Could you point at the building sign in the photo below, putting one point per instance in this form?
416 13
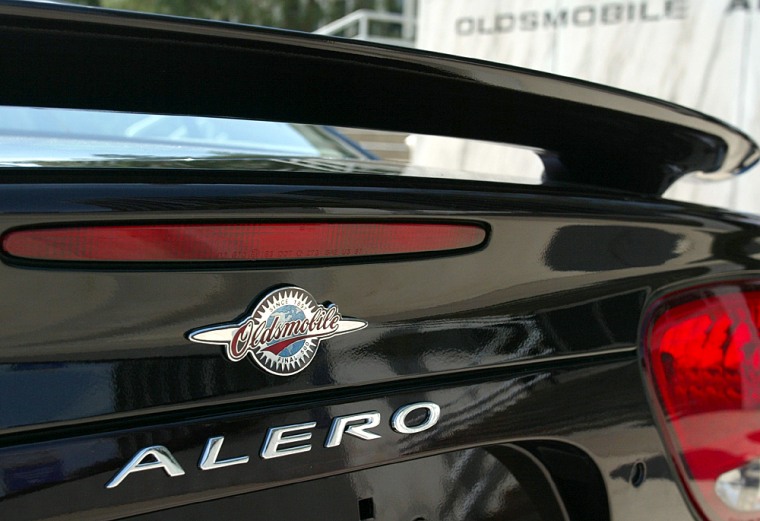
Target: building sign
704 54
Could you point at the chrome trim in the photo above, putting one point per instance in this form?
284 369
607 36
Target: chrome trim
164 460
341 425
245 337
398 420
210 454
276 437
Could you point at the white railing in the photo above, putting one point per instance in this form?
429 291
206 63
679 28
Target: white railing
364 24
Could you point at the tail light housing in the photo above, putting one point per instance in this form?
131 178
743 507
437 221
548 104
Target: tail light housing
702 358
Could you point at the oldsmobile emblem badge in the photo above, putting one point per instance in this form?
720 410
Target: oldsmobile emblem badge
281 333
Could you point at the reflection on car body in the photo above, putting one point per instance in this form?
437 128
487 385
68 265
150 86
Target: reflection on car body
567 363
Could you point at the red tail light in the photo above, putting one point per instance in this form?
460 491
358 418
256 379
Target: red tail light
237 242
702 352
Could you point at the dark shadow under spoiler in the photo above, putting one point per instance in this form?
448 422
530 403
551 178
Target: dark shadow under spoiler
587 134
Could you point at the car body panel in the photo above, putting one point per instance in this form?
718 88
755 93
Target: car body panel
511 406
531 339
105 325
529 344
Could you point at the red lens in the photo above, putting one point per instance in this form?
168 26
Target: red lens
703 356
237 242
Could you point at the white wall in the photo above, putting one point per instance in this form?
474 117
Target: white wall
704 54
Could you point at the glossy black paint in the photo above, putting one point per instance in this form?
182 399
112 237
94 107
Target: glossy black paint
544 403
553 261
495 483
529 340
589 134
529 344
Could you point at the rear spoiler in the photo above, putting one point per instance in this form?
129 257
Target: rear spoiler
586 134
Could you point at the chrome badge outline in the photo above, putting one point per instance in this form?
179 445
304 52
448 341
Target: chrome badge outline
266 335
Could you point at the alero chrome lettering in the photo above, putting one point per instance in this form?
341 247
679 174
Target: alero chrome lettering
282 332
285 440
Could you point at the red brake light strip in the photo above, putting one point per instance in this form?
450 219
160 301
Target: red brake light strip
237 242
